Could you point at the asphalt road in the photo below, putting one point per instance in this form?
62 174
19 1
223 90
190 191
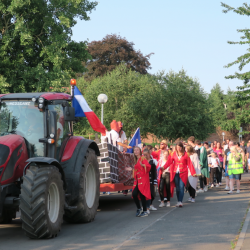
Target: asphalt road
212 222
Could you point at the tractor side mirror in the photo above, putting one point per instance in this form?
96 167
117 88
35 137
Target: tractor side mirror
69 114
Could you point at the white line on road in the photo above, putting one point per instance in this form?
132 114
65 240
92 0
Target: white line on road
243 232
142 230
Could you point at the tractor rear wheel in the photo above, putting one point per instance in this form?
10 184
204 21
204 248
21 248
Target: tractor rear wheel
42 202
89 192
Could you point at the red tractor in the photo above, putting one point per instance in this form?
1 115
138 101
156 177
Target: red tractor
45 171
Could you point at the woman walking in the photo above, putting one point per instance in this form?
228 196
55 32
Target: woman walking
180 163
141 187
164 180
220 153
214 165
192 181
152 180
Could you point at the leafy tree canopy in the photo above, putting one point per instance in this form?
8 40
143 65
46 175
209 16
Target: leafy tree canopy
111 51
240 116
168 105
175 106
217 105
36 51
245 39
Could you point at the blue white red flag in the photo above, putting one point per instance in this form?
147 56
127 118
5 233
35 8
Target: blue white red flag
135 141
82 109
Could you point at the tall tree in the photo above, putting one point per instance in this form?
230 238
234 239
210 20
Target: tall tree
36 51
175 106
111 51
217 105
242 99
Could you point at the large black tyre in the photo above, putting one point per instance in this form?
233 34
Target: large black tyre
42 202
89 192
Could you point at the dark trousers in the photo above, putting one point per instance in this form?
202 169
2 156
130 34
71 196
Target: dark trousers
220 172
152 190
203 180
214 174
135 194
191 190
165 183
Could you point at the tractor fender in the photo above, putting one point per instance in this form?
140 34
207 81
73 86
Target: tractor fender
44 161
73 159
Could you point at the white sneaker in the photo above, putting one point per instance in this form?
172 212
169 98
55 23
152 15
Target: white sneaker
152 208
177 204
212 185
180 204
200 191
193 200
230 192
162 205
168 204
148 211
217 185
205 188
220 184
226 188
190 198
238 191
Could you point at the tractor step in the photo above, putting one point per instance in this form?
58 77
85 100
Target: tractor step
12 201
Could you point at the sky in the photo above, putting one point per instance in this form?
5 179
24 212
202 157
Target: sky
184 34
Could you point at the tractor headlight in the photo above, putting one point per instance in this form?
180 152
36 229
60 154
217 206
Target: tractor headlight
41 100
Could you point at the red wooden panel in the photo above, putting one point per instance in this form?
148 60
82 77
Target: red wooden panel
113 187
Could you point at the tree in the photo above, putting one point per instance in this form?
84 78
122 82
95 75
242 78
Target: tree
244 59
174 106
120 85
242 99
36 51
217 105
111 51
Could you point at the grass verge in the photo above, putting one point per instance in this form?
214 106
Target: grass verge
234 242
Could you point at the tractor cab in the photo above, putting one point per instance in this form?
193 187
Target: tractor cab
39 118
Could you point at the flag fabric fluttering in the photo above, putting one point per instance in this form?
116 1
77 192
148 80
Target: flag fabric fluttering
135 141
82 109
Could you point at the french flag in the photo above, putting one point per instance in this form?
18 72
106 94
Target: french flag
82 109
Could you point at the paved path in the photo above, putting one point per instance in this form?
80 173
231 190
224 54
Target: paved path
210 223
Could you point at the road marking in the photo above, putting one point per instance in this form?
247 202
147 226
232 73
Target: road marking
243 232
142 230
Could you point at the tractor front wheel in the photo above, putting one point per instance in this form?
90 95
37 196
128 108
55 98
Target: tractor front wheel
42 202
89 192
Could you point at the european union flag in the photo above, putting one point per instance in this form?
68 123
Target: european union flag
135 141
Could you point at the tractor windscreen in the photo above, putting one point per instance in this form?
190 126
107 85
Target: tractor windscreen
23 118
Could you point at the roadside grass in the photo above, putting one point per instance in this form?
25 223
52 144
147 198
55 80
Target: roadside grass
234 242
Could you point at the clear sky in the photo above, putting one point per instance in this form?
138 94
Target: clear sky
184 34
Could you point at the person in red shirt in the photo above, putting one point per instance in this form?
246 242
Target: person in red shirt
141 187
179 164
163 146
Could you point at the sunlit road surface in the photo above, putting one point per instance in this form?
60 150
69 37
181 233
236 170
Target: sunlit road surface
213 221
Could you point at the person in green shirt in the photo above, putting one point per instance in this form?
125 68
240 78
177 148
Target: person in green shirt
203 165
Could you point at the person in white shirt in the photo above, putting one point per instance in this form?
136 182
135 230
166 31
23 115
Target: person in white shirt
122 137
214 164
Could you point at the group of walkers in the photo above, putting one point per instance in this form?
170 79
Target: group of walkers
181 166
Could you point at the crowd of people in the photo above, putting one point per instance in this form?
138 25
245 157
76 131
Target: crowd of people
182 166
